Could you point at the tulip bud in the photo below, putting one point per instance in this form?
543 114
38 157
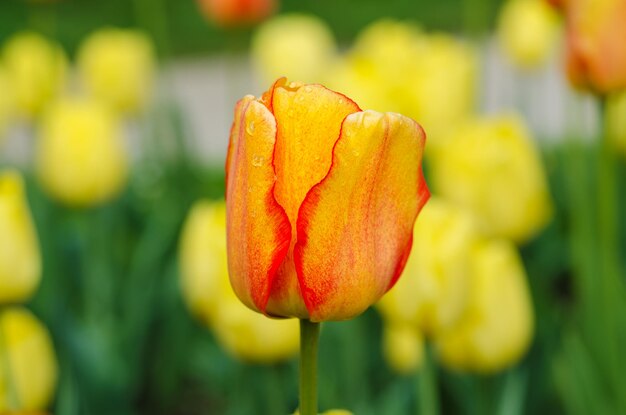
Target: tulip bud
81 159
596 53
492 168
403 347
394 66
36 70
204 280
293 45
237 12
527 31
20 260
497 327
117 67
26 347
432 293
321 199
616 121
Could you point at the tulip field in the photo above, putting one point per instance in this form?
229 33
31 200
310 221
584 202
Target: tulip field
276 207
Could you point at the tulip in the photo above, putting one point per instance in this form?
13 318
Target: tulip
432 295
596 53
321 199
117 67
492 168
403 347
616 121
81 160
36 70
394 66
528 31
237 12
20 259
497 327
293 45
243 333
26 347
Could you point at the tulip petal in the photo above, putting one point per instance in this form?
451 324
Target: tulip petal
258 230
355 227
309 121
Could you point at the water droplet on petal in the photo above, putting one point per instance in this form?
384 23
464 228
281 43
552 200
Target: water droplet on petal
308 89
250 128
257 160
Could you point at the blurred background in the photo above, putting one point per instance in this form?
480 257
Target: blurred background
114 124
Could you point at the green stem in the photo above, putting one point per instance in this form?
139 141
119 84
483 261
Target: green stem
13 399
428 399
609 281
309 339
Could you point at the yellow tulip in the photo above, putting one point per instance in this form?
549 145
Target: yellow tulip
528 31
28 366
403 347
81 156
293 45
206 290
431 294
443 88
117 66
616 120
20 260
492 168
36 70
394 66
497 327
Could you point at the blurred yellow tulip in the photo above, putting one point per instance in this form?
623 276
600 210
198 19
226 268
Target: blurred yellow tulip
20 260
491 167
81 157
394 66
443 88
431 294
497 327
247 335
36 70
28 366
403 347
528 31
117 66
616 120
202 268
300 47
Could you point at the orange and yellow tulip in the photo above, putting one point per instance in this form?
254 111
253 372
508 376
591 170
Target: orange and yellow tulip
321 200
596 56
236 12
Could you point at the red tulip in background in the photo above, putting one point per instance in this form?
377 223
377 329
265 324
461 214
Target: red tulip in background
321 201
237 12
